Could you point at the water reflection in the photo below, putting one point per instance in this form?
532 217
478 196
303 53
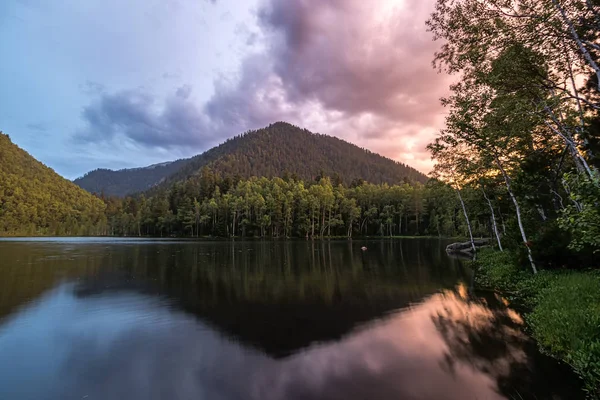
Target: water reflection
260 321
130 345
279 296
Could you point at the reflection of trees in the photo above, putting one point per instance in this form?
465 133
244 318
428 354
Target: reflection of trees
278 296
29 269
286 271
300 291
484 333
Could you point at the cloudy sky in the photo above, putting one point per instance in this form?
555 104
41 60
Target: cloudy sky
114 84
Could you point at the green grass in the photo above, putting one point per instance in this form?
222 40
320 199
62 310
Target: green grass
562 310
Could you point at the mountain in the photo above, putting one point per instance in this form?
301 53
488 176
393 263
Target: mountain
276 150
127 181
35 200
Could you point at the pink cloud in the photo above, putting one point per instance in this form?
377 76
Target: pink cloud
360 70
363 67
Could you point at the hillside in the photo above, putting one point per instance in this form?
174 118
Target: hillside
273 151
126 181
35 200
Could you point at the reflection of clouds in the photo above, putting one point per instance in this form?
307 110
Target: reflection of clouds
469 328
124 345
121 346
399 357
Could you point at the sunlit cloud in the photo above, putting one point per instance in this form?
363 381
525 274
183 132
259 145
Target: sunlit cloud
353 69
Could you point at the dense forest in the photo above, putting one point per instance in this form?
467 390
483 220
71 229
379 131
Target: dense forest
35 200
209 204
274 151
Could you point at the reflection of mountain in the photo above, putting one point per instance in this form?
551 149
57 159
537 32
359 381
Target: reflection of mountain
279 296
119 344
284 296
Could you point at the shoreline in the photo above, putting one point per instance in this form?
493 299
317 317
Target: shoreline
223 238
561 310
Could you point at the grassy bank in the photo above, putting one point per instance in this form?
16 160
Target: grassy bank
561 308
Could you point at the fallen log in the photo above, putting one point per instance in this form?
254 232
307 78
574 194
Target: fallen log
465 247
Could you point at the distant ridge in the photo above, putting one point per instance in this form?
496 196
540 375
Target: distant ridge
279 149
128 181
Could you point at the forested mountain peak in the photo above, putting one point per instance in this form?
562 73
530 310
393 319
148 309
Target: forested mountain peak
276 150
36 200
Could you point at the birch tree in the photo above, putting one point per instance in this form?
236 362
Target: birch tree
563 34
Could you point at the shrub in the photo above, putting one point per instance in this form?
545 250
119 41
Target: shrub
582 218
496 270
550 247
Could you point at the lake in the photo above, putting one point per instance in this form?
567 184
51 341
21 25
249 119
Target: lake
96 318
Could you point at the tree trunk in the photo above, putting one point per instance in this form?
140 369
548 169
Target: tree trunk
542 213
586 54
580 161
417 216
233 223
323 222
518 210
400 225
462 203
578 100
493 220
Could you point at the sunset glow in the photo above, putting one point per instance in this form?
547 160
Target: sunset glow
353 69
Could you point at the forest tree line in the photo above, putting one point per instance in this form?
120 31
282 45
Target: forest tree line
209 205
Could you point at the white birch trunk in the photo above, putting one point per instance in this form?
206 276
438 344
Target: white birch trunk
518 210
577 156
586 54
542 213
493 220
462 203
577 99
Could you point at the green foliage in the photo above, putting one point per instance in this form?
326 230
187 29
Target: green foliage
278 150
582 217
34 200
497 269
208 204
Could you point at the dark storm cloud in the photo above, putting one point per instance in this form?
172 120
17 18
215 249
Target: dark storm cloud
136 115
360 70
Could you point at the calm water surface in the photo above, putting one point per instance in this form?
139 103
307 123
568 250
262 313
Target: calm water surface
152 319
